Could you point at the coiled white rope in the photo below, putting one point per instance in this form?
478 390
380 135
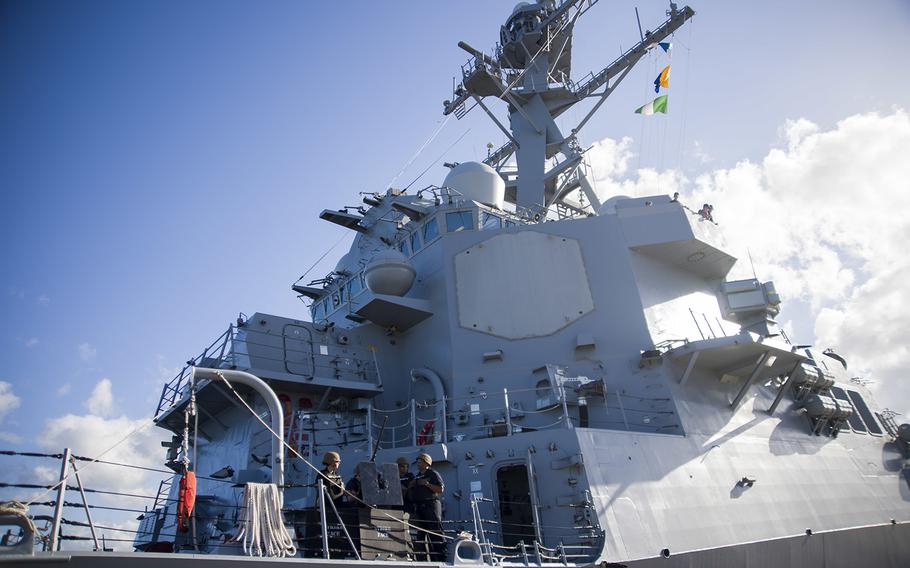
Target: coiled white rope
262 530
17 509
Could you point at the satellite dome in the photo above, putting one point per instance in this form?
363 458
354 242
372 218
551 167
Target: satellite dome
478 182
347 264
521 6
390 273
609 206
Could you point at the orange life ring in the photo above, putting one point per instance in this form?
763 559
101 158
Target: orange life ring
425 436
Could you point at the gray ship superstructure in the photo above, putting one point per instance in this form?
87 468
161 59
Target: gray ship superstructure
590 383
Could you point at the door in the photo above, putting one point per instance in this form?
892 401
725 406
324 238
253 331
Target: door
298 350
515 507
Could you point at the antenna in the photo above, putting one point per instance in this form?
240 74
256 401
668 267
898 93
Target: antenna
640 33
752 264
521 71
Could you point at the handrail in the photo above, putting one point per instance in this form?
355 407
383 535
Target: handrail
488 414
223 353
172 389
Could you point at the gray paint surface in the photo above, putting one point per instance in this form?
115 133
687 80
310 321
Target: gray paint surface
641 413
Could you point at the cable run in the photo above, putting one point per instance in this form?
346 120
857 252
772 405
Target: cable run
144 468
131 433
325 254
434 162
419 151
29 454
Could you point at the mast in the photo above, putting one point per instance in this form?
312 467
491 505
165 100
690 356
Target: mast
531 71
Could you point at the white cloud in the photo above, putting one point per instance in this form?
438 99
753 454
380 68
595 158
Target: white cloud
8 403
120 439
43 300
824 216
31 342
699 153
8 400
101 401
86 352
91 436
10 437
64 389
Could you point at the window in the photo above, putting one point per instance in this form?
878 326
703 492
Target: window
318 311
415 241
354 286
341 294
856 423
430 230
403 247
335 300
860 405
459 221
509 223
491 222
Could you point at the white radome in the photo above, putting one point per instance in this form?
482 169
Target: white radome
478 182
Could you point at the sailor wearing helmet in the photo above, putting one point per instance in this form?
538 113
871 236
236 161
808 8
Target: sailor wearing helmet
330 477
426 493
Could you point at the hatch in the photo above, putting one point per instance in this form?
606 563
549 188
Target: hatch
515 507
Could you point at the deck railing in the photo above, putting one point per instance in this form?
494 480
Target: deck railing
253 350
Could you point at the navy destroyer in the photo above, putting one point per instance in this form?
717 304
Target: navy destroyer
587 382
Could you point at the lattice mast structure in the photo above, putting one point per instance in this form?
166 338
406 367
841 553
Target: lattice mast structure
530 70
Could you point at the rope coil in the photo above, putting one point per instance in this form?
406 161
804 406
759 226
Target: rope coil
262 530
17 509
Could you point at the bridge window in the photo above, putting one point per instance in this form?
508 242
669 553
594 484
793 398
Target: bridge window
491 222
856 423
403 248
354 286
459 221
863 409
415 241
430 230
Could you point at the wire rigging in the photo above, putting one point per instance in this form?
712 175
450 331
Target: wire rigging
420 150
134 431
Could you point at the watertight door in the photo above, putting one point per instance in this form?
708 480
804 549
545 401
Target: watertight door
298 350
515 508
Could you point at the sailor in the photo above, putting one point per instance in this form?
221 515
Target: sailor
706 212
354 490
406 477
426 493
330 477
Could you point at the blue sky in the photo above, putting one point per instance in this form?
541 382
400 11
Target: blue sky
163 164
